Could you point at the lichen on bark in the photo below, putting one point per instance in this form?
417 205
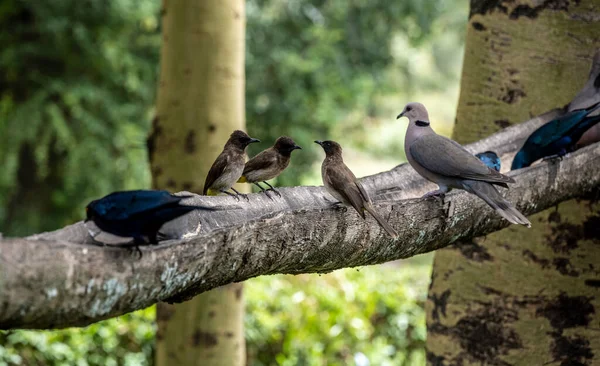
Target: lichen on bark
521 297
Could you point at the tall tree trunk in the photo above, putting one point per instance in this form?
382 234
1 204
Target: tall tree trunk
200 102
521 296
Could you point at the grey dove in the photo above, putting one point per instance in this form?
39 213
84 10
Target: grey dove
588 96
449 165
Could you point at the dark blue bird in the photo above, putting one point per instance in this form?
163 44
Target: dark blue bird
490 159
557 137
137 214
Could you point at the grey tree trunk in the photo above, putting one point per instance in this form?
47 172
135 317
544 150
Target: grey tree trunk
519 296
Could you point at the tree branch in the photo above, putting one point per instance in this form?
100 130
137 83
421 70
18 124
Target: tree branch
60 279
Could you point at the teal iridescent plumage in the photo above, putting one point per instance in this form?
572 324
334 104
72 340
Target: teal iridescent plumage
138 214
557 137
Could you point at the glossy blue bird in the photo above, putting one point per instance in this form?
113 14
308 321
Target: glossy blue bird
557 137
491 159
138 214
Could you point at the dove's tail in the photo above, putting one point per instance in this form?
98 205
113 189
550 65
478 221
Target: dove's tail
492 197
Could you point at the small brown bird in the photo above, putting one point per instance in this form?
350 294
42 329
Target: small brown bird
269 163
341 183
228 167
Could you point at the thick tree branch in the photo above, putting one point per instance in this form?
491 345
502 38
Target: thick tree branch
60 279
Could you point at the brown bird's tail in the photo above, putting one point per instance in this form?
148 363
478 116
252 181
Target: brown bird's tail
384 224
492 197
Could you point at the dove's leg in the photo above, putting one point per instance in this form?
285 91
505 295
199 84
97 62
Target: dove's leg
440 192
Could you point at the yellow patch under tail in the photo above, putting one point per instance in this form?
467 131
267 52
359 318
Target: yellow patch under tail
242 179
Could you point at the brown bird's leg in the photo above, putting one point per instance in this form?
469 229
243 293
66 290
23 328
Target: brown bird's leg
240 194
272 189
230 194
266 191
333 203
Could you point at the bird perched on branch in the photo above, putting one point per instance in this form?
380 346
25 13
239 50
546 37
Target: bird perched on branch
449 165
491 159
576 128
229 165
269 163
341 183
557 137
138 214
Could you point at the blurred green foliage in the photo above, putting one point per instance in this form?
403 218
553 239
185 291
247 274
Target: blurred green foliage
79 78
351 315
76 91
127 340
343 318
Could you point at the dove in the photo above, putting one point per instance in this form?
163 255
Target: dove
449 165
269 163
342 184
229 166
589 95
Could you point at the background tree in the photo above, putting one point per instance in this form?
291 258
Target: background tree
200 102
344 67
521 296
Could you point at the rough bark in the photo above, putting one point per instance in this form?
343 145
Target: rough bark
59 279
200 102
518 296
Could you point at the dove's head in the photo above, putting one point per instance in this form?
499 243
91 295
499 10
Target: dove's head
416 113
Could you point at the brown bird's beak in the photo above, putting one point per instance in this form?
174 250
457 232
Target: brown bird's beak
253 140
319 142
400 115
296 147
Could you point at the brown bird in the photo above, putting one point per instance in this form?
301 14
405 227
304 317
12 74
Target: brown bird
342 184
269 163
228 167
